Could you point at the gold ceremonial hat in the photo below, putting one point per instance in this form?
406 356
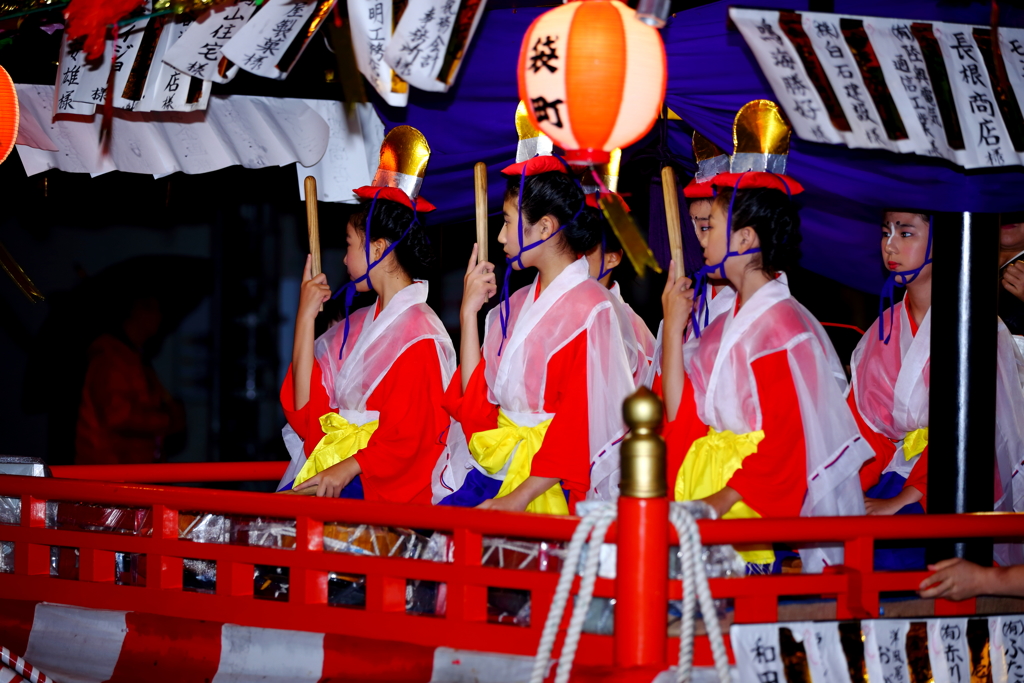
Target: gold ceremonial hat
403 160
760 135
532 142
711 160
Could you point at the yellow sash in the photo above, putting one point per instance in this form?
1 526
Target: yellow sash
707 469
341 441
492 449
915 442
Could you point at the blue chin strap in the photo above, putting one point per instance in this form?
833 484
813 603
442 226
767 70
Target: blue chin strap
504 307
718 269
900 278
604 250
350 287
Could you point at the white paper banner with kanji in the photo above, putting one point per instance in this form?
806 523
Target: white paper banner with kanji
270 43
199 52
905 86
417 51
371 22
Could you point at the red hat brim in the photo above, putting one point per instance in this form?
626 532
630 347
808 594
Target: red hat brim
594 203
545 163
695 190
395 195
755 179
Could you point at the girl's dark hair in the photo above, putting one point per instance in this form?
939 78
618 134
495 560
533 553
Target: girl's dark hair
611 242
556 194
390 219
774 217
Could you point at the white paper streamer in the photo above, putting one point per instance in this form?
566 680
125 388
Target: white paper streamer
199 52
756 648
781 65
371 22
906 74
417 50
866 129
69 95
261 44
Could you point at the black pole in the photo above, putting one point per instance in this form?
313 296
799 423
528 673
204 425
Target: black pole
962 395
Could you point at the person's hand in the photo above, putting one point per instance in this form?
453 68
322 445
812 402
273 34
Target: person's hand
879 506
1013 279
509 503
314 292
955 579
676 302
331 482
478 286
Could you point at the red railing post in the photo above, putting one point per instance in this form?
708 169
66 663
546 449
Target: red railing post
641 589
308 586
164 571
31 558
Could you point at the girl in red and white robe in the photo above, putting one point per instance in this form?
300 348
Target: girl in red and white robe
889 395
756 421
540 404
363 402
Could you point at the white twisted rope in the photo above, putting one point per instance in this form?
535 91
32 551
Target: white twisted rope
695 586
594 525
604 515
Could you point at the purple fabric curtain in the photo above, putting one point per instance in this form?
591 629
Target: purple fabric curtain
711 75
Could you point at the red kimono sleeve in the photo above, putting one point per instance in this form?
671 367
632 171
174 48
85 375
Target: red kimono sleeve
565 453
397 462
472 409
773 481
306 420
680 433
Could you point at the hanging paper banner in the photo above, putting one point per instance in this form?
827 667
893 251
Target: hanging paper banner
1007 651
885 650
131 62
844 75
356 133
94 77
371 22
430 41
902 62
168 89
985 136
272 41
66 97
909 87
199 52
784 68
756 647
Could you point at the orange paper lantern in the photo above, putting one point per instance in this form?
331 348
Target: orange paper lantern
9 118
593 77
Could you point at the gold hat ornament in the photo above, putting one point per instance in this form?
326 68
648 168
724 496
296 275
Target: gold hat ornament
760 136
711 160
403 160
609 173
531 141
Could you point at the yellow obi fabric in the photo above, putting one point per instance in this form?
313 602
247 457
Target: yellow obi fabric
493 448
915 442
341 441
707 469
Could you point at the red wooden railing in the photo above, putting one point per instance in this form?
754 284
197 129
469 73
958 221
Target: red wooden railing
855 586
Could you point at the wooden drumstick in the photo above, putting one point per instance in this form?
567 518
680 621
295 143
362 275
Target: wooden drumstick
675 233
480 184
314 228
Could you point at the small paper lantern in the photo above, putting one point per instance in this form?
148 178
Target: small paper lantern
9 114
593 77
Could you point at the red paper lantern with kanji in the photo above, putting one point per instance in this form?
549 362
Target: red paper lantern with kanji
593 77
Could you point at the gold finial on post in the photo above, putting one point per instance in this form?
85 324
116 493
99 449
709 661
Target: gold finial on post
643 450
